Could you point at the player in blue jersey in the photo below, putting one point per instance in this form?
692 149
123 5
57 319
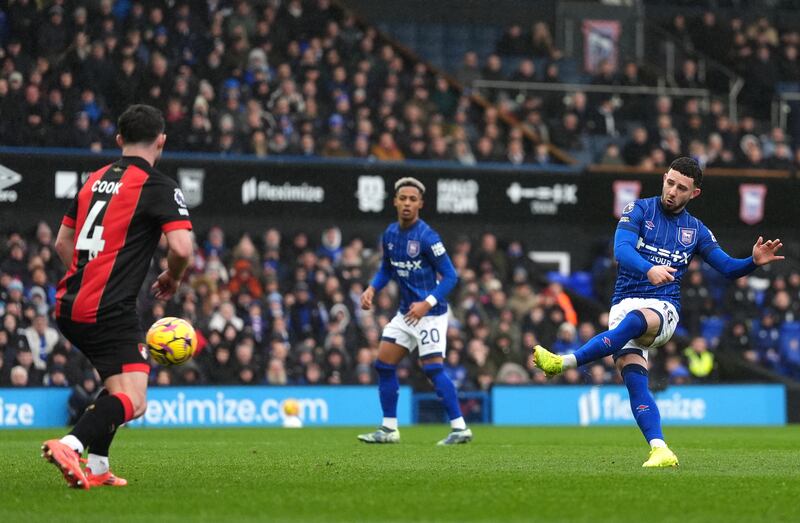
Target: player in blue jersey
654 243
413 254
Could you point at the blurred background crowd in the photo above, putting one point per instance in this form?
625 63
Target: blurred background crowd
310 78
284 309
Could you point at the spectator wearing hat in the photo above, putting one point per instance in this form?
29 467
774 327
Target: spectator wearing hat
56 377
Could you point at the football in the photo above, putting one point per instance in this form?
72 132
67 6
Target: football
291 407
171 341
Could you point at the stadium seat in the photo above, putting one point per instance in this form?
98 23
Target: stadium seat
711 329
557 277
581 282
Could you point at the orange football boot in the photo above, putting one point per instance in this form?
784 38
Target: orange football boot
107 479
66 460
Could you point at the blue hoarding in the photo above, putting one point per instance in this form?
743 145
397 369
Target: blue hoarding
35 407
679 405
215 406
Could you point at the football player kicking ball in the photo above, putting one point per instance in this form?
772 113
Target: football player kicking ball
119 215
654 243
412 254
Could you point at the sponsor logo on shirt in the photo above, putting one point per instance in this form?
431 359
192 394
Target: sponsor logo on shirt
663 256
405 267
437 249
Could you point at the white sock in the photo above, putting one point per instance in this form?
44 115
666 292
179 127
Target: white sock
72 442
98 464
569 362
657 443
390 423
458 423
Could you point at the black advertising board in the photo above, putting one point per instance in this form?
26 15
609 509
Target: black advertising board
563 207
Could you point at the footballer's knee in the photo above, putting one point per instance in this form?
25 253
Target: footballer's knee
653 321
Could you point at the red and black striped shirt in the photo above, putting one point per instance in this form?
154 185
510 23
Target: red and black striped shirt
118 217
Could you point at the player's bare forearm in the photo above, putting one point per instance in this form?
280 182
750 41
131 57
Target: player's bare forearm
65 244
180 252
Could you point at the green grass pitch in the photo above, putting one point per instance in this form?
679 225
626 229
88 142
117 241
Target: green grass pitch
506 474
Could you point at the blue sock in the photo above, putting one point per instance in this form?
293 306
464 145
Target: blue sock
643 405
606 343
444 389
388 388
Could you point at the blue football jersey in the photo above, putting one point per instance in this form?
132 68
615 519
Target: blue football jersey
664 239
412 257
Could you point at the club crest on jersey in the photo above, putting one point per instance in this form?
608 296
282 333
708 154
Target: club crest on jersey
143 350
686 236
412 249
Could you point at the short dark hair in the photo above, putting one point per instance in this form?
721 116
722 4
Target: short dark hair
140 123
688 167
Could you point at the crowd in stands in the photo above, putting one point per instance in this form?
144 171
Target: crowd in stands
274 309
647 130
306 78
265 78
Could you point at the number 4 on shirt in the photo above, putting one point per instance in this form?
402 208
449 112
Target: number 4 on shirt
94 243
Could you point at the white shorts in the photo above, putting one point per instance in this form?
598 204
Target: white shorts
429 335
669 321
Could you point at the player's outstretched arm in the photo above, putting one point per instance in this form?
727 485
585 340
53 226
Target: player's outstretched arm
178 258
764 252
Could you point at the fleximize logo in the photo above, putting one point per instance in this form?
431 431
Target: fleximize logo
8 178
603 407
255 190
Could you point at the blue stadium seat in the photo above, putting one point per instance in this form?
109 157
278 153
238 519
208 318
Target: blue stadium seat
557 277
711 329
406 33
458 33
487 34
430 33
787 87
581 282
570 71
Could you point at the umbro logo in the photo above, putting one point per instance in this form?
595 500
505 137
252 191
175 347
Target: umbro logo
8 178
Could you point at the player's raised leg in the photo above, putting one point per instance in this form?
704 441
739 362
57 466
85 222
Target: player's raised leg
641 325
389 355
633 368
